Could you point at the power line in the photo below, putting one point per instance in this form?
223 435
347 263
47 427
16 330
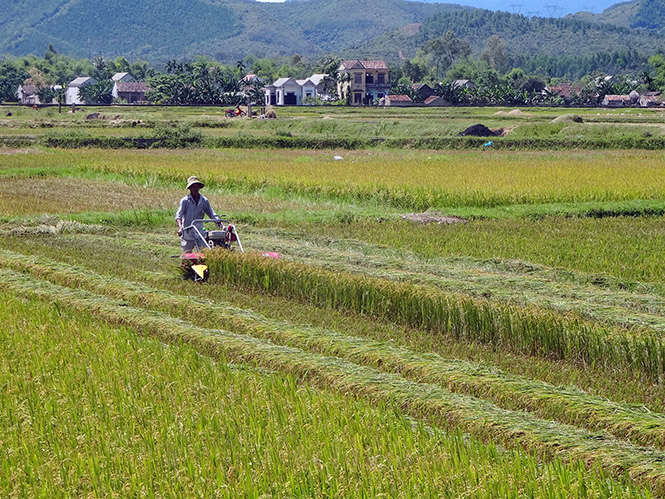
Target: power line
553 10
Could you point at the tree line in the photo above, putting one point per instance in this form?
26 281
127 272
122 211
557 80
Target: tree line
498 77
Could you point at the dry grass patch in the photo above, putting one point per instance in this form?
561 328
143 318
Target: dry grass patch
9 151
57 195
30 196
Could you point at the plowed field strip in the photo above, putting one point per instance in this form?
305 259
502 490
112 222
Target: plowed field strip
564 404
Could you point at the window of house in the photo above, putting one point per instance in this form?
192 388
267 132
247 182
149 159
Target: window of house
381 78
369 79
358 79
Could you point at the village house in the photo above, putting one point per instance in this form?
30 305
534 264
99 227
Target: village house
423 90
72 95
395 101
363 81
122 78
436 101
27 95
617 101
464 84
132 92
248 82
319 80
290 92
567 91
650 101
127 89
284 92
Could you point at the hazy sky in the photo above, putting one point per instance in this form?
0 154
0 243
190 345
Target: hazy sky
544 8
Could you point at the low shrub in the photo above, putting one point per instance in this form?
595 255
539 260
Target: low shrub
178 136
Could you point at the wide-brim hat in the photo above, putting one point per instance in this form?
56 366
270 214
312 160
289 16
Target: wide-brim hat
194 180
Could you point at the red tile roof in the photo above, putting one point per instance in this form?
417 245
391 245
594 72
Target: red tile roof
399 98
358 64
132 86
565 90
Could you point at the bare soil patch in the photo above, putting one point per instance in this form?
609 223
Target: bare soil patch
8 151
433 217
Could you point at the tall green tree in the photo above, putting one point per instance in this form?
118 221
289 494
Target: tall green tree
11 77
495 53
658 63
444 51
97 93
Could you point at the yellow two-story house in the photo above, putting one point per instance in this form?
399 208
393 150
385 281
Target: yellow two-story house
363 81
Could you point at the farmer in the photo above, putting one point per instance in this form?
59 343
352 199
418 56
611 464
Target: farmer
192 207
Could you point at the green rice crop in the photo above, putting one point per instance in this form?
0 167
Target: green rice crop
564 404
517 428
522 329
625 248
91 410
404 179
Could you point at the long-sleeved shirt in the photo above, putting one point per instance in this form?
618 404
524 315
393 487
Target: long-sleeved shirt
189 210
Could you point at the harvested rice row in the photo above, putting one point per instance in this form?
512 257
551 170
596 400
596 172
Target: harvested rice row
167 422
525 330
618 307
615 308
564 404
644 465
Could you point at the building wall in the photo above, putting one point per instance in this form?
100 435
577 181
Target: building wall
72 96
363 82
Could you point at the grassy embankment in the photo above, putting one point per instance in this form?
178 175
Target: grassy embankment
334 127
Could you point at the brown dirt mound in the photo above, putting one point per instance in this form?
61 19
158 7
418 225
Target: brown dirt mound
478 130
431 217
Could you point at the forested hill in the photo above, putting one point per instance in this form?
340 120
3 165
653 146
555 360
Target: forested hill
648 14
228 30
158 30
523 36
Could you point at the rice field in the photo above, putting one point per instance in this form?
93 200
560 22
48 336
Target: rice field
440 323
430 181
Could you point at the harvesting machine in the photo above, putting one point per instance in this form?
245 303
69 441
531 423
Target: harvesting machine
193 264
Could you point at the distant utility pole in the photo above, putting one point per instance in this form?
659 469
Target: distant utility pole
89 51
517 7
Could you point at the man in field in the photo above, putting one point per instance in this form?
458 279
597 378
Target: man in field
192 207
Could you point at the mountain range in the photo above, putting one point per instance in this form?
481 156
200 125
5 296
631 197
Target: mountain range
229 30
